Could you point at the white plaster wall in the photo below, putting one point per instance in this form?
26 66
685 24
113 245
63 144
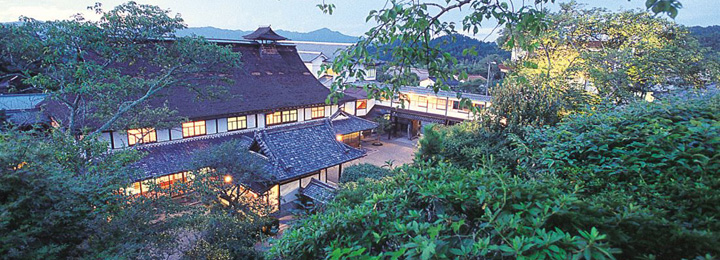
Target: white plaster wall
289 191
261 120
210 126
120 138
251 123
176 133
222 125
307 112
163 135
300 115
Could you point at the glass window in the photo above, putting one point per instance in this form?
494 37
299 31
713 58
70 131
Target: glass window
194 128
480 106
422 101
236 123
456 106
362 104
318 112
281 117
440 104
141 136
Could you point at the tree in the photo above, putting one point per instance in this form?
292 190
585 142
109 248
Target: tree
105 73
602 53
229 171
224 178
405 28
62 198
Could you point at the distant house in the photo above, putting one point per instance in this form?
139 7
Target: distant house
275 108
315 54
414 107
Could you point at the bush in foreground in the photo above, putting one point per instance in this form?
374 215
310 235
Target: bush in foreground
361 171
443 212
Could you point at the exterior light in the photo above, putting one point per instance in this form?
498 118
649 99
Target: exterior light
339 138
227 179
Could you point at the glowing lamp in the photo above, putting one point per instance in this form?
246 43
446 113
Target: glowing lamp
339 138
227 179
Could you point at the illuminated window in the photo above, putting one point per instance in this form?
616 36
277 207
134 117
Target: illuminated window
362 104
371 73
141 136
422 101
318 112
480 106
440 104
194 128
456 106
236 123
281 117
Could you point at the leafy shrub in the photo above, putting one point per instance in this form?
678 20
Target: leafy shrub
362 171
443 212
467 145
228 236
649 172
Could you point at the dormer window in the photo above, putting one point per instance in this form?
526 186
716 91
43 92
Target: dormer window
362 104
141 136
193 128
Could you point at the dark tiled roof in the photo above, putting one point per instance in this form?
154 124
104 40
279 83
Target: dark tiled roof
175 156
345 123
290 151
264 34
319 191
263 82
27 117
304 148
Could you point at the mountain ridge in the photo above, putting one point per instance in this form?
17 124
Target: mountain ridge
319 35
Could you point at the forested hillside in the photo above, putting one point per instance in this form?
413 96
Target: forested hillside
707 36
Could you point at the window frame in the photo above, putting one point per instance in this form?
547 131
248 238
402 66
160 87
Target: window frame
281 117
421 103
437 104
463 110
237 121
199 125
317 112
148 133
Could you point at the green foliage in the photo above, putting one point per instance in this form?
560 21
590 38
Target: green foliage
107 71
443 212
61 198
708 37
362 171
227 236
469 145
613 55
430 146
649 172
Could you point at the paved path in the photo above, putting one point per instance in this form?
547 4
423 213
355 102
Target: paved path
399 150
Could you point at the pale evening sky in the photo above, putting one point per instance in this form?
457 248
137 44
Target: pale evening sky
300 15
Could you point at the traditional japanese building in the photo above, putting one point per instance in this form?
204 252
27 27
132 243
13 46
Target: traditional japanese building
274 107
